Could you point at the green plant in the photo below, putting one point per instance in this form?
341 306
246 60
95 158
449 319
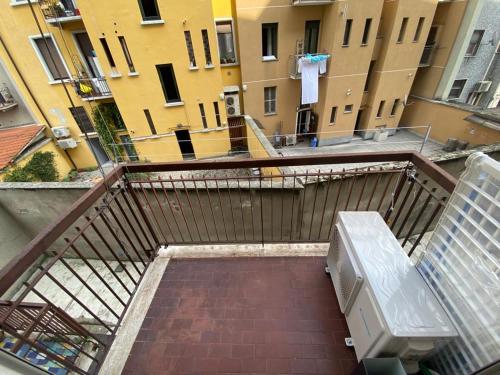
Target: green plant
70 176
107 120
41 167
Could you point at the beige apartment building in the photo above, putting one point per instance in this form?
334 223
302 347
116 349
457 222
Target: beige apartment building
374 50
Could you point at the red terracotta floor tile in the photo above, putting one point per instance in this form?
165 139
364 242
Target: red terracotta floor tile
243 316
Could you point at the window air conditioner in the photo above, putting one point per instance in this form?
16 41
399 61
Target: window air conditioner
389 308
61 132
232 104
482 86
290 140
67 143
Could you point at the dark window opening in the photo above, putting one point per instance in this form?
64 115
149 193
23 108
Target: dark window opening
395 107
185 144
203 115
82 119
150 121
474 43
217 114
366 32
190 49
206 47
457 88
420 25
347 32
107 51
311 38
402 31
129 147
270 40
149 10
333 115
380 109
225 38
369 75
126 52
50 54
168 83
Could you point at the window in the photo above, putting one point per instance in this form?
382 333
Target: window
169 83
347 32
126 52
366 32
348 108
381 109
474 43
420 25
369 75
149 10
189 46
150 121
402 30
206 47
217 114
50 57
270 100
107 51
128 145
225 38
456 89
395 107
203 115
82 119
333 115
311 37
270 41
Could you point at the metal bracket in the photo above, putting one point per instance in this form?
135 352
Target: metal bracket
349 342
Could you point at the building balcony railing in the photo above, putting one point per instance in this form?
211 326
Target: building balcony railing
116 229
61 11
92 88
427 56
311 2
7 101
293 66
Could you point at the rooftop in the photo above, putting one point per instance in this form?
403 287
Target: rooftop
14 141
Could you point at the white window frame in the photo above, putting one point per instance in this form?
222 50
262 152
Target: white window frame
52 81
346 110
275 100
461 90
225 19
15 3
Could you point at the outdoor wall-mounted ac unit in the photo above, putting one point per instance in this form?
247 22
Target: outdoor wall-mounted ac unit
389 308
232 104
67 143
290 140
482 86
61 132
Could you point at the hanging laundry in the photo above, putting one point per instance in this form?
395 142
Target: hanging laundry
310 66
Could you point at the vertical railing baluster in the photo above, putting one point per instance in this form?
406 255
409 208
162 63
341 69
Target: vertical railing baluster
362 189
221 208
353 180
282 195
242 212
374 189
336 203
439 206
171 208
325 201
191 208
419 215
403 203
293 204
251 208
410 209
261 210
153 189
314 203
201 209
180 208
382 197
212 210
272 206
231 207
160 229
304 196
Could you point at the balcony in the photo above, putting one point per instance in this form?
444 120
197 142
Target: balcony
62 11
311 2
124 275
293 66
427 56
7 101
92 88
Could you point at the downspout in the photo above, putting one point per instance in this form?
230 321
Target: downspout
37 104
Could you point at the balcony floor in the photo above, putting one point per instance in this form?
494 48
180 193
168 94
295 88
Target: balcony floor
243 315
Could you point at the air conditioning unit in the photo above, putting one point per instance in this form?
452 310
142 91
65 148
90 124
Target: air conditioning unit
232 105
61 132
290 140
389 308
482 86
67 143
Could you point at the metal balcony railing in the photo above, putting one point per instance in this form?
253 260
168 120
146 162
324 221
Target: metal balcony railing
293 66
427 56
92 88
311 2
107 239
59 10
7 101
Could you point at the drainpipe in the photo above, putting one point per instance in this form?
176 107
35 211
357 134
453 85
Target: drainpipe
37 104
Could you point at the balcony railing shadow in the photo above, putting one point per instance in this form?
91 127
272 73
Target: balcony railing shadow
107 240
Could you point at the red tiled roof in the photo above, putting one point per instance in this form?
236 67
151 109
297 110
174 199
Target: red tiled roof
13 141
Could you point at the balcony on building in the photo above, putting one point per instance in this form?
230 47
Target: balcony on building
92 88
311 2
62 11
208 267
7 101
293 65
